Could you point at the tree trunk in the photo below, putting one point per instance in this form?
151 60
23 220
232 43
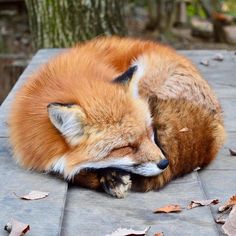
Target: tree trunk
212 7
58 23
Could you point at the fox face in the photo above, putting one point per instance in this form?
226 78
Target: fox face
115 132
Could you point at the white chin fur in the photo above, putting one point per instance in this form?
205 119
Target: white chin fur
124 163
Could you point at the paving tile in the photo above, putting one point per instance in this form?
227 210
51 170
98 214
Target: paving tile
219 184
45 215
229 111
91 213
224 161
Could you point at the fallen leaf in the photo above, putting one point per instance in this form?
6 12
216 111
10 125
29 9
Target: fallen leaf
33 195
16 228
185 129
198 168
218 57
129 232
232 152
169 208
159 234
231 202
199 203
220 220
229 227
204 62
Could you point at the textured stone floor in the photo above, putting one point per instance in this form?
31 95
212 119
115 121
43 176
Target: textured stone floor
70 211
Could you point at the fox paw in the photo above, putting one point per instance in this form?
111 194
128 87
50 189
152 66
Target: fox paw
116 183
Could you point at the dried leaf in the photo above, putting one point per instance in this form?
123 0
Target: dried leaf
198 168
229 227
185 129
199 203
204 62
169 208
218 57
232 152
129 232
159 234
33 195
231 202
220 220
16 228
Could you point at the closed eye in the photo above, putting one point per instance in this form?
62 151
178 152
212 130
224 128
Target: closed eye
123 151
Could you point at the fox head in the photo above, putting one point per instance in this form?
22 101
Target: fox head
110 127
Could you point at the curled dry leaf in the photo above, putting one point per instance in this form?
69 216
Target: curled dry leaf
218 57
33 195
16 228
229 227
199 203
185 129
198 168
204 62
169 208
127 232
232 152
231 202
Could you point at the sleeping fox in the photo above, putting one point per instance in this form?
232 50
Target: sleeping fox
116 113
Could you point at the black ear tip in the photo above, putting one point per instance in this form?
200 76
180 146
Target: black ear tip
126 76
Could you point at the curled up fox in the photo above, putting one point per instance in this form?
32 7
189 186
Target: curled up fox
116 114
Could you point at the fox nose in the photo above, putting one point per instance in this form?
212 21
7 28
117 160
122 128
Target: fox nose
163 164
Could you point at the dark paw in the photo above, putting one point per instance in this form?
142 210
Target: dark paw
115 182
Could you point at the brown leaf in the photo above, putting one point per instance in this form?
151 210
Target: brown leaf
218 57
199 203
159 234
33 195
220 220
185 129
168 209
16 228
229 227
232 152
204 62
129 232
231 202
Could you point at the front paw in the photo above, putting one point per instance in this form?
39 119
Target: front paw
116 182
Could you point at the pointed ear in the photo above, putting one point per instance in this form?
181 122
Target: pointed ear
126 77
68 120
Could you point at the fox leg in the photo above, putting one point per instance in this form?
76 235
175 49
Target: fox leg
114 182
88 179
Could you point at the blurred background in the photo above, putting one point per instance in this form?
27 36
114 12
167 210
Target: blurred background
28 25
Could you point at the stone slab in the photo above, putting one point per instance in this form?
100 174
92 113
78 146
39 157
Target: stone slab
44 216
224 161
91 213
219 184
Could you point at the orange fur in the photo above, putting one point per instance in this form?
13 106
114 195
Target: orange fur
113 121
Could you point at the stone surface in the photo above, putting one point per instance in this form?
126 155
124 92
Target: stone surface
44 216
92 213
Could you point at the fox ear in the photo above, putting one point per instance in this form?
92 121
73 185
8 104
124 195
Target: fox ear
131 78
68 120
126 77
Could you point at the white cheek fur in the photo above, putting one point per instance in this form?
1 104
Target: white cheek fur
124 163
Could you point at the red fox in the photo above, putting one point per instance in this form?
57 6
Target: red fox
108 113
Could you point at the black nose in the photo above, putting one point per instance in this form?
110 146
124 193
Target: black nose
163 164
